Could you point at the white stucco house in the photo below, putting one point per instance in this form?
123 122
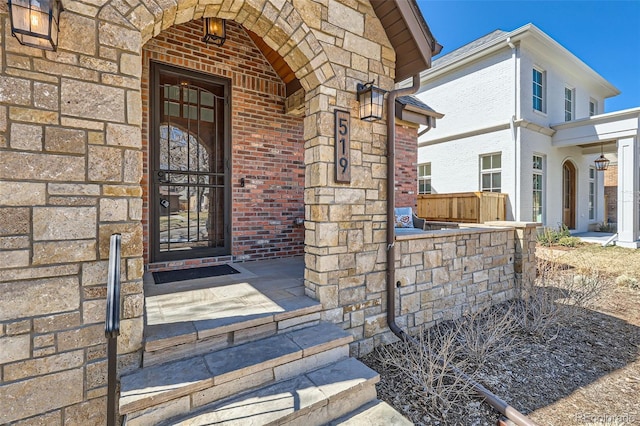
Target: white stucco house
524 116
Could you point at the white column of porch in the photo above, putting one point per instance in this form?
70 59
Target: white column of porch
623 127
628 192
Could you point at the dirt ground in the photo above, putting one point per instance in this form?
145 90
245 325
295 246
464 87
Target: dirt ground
584 370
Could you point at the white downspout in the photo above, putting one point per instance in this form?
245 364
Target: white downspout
514 132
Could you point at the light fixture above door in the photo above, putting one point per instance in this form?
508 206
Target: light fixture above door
215 31
601 162
371 99
35 23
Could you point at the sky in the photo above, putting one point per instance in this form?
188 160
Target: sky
604 34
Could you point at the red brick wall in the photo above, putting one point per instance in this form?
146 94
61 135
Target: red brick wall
406 166
611 193
267 145
611 175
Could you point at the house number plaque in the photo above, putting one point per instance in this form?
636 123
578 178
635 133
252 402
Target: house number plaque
343 146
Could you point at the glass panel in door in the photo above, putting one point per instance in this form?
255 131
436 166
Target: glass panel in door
190 173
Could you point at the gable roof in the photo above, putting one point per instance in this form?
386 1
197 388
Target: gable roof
409 35
409 108
468 48
406 29
413 103
530 34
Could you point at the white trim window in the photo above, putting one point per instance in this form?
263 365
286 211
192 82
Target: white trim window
538 188
593 192
569 95
424 178
491 172
539 83
593 107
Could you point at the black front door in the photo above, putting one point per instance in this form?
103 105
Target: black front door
190 159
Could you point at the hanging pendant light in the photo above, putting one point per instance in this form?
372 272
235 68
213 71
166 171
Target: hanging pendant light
602 163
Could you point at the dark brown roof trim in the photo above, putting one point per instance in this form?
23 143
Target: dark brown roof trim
409 35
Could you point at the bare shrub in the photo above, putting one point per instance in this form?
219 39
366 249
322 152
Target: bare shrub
538 314
485 334
579 286
585 288
427 366
558 291
549 269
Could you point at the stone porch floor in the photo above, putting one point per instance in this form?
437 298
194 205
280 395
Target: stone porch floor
261 287
263 292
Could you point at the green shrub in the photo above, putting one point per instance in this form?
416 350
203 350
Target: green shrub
569 241
550 236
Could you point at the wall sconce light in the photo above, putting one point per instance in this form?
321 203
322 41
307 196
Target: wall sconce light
602 163
35 23
215 31
371 99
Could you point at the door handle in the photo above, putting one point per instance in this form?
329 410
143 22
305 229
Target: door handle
163 177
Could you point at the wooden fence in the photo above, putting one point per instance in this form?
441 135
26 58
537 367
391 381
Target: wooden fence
464 207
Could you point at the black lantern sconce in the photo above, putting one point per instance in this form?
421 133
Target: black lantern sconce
602 163
35 23
215 31
371 99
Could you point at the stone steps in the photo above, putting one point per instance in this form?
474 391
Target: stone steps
169 342
161 391
312 398
375 413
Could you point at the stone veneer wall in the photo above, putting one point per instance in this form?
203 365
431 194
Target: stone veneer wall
442 275
267 145
526 238
71 167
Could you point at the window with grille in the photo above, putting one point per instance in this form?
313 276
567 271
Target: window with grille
568 104
539 78
491 172
424 178
593 107
538 187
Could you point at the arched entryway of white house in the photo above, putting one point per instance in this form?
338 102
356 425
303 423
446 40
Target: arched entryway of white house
569 194
619 133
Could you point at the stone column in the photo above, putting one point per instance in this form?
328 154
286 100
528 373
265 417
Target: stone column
628 189
524 263
345 226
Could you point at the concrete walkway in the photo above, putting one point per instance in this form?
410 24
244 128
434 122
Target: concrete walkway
593 237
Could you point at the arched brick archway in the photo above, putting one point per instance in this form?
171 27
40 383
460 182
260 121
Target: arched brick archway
339 248
283 29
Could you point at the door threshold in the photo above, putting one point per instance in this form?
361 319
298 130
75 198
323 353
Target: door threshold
171 265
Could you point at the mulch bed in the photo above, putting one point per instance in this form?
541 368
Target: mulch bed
586 372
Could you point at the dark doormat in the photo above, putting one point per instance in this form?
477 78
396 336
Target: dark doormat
193 273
